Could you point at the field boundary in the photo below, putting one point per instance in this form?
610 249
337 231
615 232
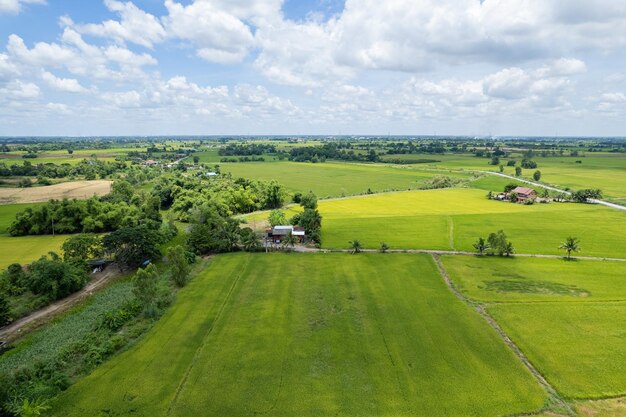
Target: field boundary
554 397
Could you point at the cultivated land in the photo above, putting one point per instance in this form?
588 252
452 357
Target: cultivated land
22 249
334 179
452 219
353 335
566 316
73 189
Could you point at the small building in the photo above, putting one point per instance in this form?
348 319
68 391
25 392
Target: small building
524 193
277 233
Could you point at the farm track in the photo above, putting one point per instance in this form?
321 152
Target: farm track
39 317
555 398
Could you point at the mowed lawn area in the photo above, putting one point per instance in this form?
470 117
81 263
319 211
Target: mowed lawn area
335 179
567 316
312 335
454 218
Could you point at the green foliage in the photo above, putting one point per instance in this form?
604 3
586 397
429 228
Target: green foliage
131 246
571 244
5 310
179 266
499 244
145 287
528 163
311 220
53 278
441 181
32 408
355 246
583 196
537 175
277 218
82 247
250 241
510 187
383 247
518 171
309 201
481 245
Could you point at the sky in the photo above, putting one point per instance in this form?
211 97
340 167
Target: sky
327 67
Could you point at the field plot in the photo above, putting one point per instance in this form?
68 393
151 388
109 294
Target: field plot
74 189
567 316
455 218
332 179
579 347
26 249
371 335
494 279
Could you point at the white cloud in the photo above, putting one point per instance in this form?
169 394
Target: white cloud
15 6
69 85
219 35
19 90
135 25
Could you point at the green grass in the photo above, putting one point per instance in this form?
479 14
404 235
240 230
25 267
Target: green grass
495 279
426 219
333 179
26 249
8 213
579 347
367 335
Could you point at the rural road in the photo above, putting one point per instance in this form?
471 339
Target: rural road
536 184
99 280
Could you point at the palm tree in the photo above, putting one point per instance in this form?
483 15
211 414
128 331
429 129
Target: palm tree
289 241
570 245
356 246
481 246
384 247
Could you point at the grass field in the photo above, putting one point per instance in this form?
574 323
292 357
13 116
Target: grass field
567 317
455 218
334 179
62 157
371 335
73 189
579 347
495 279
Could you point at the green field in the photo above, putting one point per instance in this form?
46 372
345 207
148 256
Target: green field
353 335
579 347
495 279
567 316
455 218
333 179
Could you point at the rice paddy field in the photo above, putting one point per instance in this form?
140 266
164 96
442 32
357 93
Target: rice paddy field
374 334
72 189
567 317
334 179
452 219
23 249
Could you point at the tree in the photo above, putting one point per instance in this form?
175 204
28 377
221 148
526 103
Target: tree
481 246
122 191
309 201
196 159
52 277
200 239
289 241
83 246
545 193
518 171
145 287
277 218
513 197
5 310
537 175
249 240
274 195
311 220
383 247
570 245
179 266
501 168
132 246
497 242
70 151
508 249
356 246
583 196
489 195
495 161
528 163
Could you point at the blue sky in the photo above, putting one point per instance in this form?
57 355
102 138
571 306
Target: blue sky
469 67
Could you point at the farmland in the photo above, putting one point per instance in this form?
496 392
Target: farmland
455 218
567 316
357 336
73 189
